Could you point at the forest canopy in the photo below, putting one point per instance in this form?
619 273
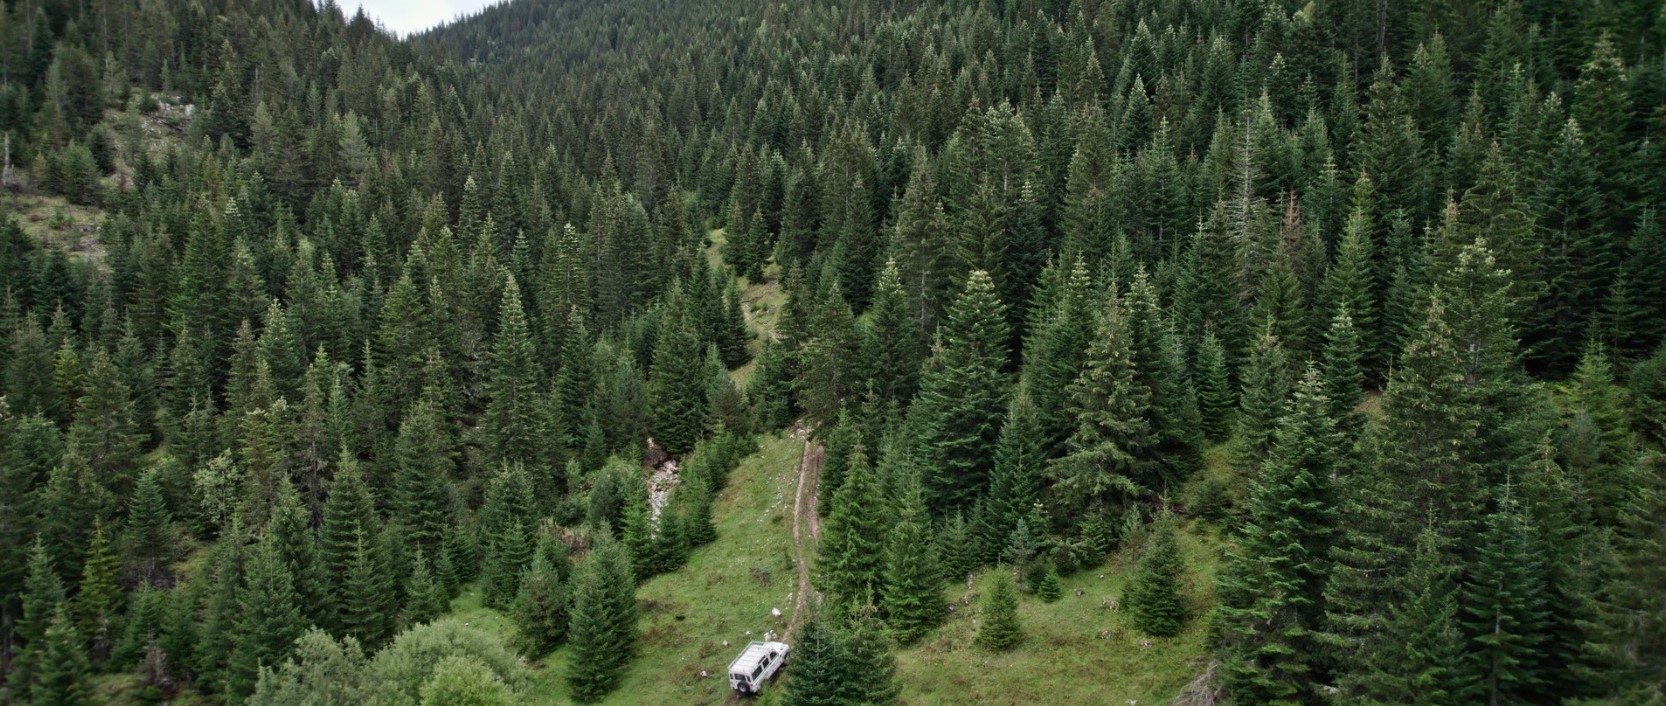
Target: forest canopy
309 333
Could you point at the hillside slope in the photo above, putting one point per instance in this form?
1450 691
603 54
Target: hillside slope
1078 650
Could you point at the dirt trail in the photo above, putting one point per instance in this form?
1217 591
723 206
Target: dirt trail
806 519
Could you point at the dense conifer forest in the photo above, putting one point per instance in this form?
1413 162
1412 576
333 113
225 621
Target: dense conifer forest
1289 352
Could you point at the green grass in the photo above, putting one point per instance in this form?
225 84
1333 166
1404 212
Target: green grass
1077 650
763 303
58 224
1074 651
687 615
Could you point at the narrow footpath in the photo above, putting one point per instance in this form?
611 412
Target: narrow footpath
806 520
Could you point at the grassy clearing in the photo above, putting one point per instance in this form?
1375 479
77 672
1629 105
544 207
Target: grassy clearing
763 301
719 596
1075 651
58 224
727 589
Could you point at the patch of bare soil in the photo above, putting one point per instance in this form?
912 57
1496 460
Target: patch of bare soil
806 521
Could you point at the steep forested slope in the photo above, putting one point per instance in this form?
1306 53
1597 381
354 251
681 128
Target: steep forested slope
1324 336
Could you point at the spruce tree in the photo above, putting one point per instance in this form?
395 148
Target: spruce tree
1266 387
1016 483
870 660
290 527
963 392
1503 612
69 507
957 545
1000 630
1173 412
148 533
819 676
422 478
1477 293
32 448
670 545
1109 452
29 388
1272 590
770 390
676 382
1494 209
839 440
1577 252
893 343
1351 283
1648 398
1178 417
1417 463
1597 441
636 532
1280 303
1153 597
428 596
1048 589
218 632
459 560
43 595
1418 658
1629 631
831 360
540 609
506 525
104 432
349 513
1215 401
850 553
1207 297
147 622
100 597
62 669
727 408
573 407
514 421
911 593
602 627
268 621
1344 379
921 243
507 554
732 334
1062 327
1572 545
695 495
364 609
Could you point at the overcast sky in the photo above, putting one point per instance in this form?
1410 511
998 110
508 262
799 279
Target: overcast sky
404 17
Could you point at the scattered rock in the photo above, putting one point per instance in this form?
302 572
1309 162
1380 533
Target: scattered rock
661 479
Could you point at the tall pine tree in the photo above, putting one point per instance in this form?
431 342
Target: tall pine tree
602 628
1272 591
962 394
